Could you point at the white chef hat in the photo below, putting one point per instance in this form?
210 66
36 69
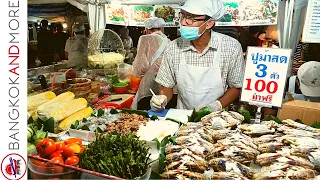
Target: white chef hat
154 22
212 8
309 77
78 28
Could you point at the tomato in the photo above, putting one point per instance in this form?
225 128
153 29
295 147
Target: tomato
81 149
71 150
56 168
56 154
72 160
60 145
39 163
73 140
45 147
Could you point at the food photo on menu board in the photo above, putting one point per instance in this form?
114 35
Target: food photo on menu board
139 14
245 13
117 15
258 12
170 14
231 16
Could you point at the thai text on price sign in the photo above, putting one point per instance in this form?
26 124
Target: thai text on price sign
265 76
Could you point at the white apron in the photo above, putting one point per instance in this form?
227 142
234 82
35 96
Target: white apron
199 86
78 54
148 80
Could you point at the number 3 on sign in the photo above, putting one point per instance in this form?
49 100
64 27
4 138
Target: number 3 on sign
262 68
261 85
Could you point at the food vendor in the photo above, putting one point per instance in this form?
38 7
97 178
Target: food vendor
207 67
149 56
76 48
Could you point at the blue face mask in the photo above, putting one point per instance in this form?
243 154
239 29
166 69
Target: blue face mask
190 33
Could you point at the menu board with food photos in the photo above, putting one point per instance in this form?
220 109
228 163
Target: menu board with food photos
238 13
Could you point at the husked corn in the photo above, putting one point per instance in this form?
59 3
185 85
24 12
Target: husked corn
38 99
67 122
61 110
64 97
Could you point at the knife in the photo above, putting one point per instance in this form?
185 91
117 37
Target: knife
110 100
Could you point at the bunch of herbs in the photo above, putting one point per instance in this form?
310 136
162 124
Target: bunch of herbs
113 154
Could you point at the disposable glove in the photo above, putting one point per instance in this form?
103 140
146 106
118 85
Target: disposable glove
215 106
158 102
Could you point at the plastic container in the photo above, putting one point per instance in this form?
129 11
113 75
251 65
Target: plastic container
121 88
124 72
83 134
134 83
40 172
146 176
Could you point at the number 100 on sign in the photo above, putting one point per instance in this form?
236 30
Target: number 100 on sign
265 76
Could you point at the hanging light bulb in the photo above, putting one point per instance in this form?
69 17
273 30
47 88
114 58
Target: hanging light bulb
64 25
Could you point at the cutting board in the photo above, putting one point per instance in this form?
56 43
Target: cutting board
116 96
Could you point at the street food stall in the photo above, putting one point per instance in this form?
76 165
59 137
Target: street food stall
80 125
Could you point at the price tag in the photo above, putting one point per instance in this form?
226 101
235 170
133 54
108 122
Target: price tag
265 76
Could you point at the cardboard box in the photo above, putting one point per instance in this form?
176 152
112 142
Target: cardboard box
307 112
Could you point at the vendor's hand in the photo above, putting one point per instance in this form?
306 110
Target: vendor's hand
158 102
215 106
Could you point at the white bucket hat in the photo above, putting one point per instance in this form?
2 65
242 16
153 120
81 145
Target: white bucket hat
309 77
212 8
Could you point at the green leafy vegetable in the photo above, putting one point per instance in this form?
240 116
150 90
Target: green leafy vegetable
120 156
142 113
246 115
161 146
113 111
100 112
176 121
316 125
272 118
197 115
154 117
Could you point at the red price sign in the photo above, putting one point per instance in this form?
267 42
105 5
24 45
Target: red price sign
265 76
260 86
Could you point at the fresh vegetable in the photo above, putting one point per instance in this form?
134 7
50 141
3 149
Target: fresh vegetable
30 133
38 99
73 140
60 145
129 111
64 97
38 163
45 147
71 150
62 110
197 115
113 154
72 160
67 122
40 135
31 148
56 168
56 154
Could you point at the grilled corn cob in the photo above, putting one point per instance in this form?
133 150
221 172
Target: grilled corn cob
38 99
67 122
61 110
